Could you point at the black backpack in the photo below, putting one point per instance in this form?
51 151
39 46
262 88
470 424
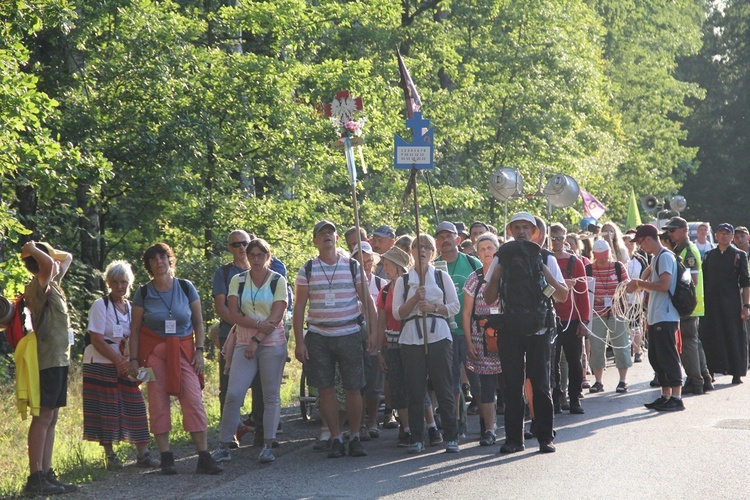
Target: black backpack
684 298
525 308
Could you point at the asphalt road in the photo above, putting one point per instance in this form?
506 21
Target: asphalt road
618 449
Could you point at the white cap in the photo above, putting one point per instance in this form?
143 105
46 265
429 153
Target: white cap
601 246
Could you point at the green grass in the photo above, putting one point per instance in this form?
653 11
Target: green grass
82 461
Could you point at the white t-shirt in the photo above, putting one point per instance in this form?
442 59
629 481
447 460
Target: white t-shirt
112 324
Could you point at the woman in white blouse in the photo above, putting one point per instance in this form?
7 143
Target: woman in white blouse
424 311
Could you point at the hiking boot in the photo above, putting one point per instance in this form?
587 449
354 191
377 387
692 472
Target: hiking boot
488 439
266 455
147 460
405 440
37 484
356 449
655 382
691 388
52 479
374 431
576 408
546 447
658 401
222 454
597 387
323 445
672 404
472 409
207 465
436 437
638 358
622 387
167 463
337 449
511 447
415 448
451 447
112 462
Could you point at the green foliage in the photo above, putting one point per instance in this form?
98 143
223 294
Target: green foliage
141 121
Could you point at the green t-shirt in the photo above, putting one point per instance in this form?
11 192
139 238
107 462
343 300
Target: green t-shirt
53 348
459 270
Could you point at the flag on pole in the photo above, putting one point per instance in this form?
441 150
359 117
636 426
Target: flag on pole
634 216
413 102
591 205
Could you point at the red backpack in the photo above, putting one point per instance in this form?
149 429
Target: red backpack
15 330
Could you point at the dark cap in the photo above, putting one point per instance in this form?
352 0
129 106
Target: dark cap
461 228
385 232
676 223
446 226
320 225
479 224
741 229
644 231
724 226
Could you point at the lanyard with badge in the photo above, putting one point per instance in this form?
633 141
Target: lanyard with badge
330 295
117 329
170 325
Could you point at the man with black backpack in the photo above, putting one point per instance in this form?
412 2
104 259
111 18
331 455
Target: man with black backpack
663 318
525 280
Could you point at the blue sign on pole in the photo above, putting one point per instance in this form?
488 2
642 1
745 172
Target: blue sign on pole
418 153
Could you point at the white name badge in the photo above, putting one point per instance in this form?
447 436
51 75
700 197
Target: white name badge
330 299
607 301
71 337
117 331
494 310
241 278
170 326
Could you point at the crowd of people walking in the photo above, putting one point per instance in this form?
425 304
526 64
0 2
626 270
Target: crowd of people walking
519 318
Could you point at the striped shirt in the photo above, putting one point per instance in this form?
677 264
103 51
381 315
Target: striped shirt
333 303
606 284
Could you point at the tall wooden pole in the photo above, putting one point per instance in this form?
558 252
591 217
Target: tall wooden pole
419 251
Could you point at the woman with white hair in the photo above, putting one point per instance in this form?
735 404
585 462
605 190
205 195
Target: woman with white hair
113 407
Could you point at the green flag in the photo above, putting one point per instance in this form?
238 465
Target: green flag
634 216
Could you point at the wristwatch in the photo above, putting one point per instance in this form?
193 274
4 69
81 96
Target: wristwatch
255 339
200 348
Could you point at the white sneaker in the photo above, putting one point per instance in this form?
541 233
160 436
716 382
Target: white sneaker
266 456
